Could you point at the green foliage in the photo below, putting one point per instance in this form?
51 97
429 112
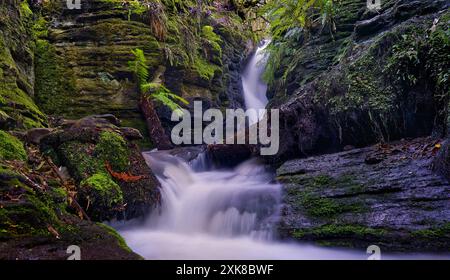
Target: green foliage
153 90
24 9
11 148
286 15
139 66
289 20
212 38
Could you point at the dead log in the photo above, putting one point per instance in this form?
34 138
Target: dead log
155 128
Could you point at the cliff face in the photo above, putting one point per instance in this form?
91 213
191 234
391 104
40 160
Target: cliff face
82 61
56 62
380 77
17 109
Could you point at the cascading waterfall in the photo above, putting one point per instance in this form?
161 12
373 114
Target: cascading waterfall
254 88
209 213
218 214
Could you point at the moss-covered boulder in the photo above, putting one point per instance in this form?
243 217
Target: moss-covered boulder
102 193
11 148
114 180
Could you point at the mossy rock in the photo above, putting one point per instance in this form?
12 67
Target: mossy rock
97 153
11 148
30 213
112 148
16 69
102 197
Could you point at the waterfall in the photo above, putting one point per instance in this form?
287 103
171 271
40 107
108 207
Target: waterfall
211 213
215 214
254 88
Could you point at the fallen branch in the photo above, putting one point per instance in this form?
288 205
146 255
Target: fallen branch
72 201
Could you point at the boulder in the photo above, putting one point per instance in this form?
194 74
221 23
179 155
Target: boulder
339 199
112 177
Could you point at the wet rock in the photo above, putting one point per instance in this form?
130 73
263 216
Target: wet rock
337 200
82 65
112 177
35 135
131 134
442 162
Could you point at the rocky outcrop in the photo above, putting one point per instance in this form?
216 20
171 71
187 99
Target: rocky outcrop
379 77
82 60
384 195
112 179
17 109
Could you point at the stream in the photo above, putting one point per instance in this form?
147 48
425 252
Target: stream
222 214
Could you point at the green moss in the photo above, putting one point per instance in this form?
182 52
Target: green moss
24 9
319 207
54 83
112 148
433 233
30 217
11 148
340 231
102 191
15 81
76 157
120 241
19 106
304 194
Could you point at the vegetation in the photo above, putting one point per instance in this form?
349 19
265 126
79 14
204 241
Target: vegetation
289 21
339 231
100 190
304 194
154 91
11 148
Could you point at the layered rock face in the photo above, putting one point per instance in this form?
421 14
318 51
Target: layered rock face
82 62
379 77
17 108
386 195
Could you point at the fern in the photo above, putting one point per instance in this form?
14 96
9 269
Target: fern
154 91
139 66
289 20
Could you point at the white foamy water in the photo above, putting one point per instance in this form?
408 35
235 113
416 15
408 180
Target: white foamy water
221 214
254 88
